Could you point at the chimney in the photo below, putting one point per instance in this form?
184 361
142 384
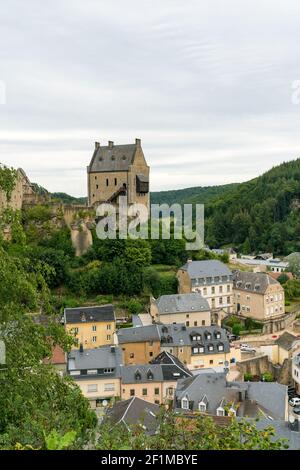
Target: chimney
138 142
97 145
110 144
81 348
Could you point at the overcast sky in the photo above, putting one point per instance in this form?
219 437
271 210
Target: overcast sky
206 85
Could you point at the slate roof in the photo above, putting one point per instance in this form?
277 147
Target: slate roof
253 282
253 397
160 372
167 359
103 313
208 268
112 158
180 335
134 411
138 334
181 303
286 341
105 357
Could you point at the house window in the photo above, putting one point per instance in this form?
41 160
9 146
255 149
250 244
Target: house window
94 328
220 412
220 289
156 391
108 327
187 323
75 330
106 181
151 354
220 301
108 337
132 392
170 391
131 355
203 322
228 288
202 407
92 372
228 300
205 291
145 392
220 347
201 349
185 404
94 340
195 323
211 361
211 347
187 315
109 387
213 290
92 388
115 181
156 402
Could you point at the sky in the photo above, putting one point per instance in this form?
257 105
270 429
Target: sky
211 87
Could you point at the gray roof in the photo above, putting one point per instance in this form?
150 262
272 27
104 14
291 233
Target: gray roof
133 412
136 321
209 268
253 282
105 357
138 334
149 373
282 431
255 395
181 303
112 158
260 262
286 341
270 395
180 335
102 313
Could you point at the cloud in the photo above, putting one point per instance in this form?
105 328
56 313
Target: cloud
206 85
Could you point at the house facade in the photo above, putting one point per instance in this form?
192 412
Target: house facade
118 170
97 372
199 347
155 382
296 372
190 309
211 279
91 326
257 295
139 344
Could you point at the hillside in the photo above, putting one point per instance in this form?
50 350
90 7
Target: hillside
67 199
200 195
259 215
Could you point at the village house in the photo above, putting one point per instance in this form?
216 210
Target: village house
212 279
118 170
134 412
190 309
97 372
139 344
210 393
261 264
257 295
155 382
198 347
91 326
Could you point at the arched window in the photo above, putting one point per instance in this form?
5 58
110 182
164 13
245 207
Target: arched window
106 181
115 181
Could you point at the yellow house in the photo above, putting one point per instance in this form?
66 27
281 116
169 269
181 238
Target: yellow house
91 326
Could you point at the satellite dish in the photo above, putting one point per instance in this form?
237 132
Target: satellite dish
104 403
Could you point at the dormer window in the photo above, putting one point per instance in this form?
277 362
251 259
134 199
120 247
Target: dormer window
149 375
220 411
210 347
218 335
232 411
202 407
220 347
138 376
208 335
195 350
185 404
201 349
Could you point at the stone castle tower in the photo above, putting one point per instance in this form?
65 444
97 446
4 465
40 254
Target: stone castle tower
118 170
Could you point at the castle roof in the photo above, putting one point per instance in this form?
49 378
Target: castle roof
113 157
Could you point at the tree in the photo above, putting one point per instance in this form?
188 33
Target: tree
8 179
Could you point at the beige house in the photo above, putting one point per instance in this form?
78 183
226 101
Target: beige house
199 347
155 382
189 309
91 326
139 344
211 279
285 347
118 170
257 295
97 372
23 193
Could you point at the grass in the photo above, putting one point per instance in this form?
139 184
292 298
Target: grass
293 304
165 269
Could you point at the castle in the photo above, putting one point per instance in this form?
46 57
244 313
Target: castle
118 170
22 194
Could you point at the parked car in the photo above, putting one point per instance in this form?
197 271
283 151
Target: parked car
296 410
233 337
295 401
247 348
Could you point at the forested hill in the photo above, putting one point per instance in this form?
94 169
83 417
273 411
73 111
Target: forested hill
260 215
200 195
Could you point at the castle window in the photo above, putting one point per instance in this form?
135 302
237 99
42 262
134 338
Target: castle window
97 186
115 181
113 157
106 181
124 157
95 177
